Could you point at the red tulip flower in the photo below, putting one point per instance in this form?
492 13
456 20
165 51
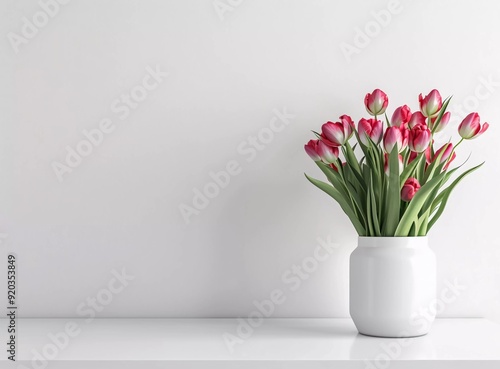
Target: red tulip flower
333 134
312 150
431 104
420 138
416 119
319 151
401 116
338 133
376 102
348 125
328 154
370 128
471 127
410 188
445 119
395 136
448 156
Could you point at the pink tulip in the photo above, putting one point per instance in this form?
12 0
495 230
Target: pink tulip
446 149
401 116
420 138
338 133
312 150
370 128
333 134
395 136
431 104
471 127
376 102
386 164
319 151
445 119
410 188
448 155
416 119
348 124
328 154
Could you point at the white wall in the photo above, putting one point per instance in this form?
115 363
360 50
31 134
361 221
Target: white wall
228 75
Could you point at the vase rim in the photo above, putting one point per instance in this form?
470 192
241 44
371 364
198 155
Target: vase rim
393 237
398 242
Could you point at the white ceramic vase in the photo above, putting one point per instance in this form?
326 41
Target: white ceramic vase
392 286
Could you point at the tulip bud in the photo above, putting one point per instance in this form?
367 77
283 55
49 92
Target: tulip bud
401 116
431 104
448 155
311 150
410 188
445 119
416 119
376 102
471 127
370 128
420 138
446 149
395 136
328 154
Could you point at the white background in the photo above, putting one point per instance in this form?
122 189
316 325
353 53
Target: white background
228 73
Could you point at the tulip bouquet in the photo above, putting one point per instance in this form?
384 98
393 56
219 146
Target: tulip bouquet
400 186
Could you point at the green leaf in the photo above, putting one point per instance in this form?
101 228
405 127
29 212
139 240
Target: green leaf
435 166
413 230
350 157
366 173
373 206
393 196
425 212
382 207
371 231
348 191
446 194
356 174
334 177
411 213
439 197
420 171
356 199
408 171
330 190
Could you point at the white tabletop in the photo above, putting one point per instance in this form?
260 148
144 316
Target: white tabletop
277 343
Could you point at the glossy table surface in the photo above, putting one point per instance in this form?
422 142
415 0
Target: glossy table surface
231 343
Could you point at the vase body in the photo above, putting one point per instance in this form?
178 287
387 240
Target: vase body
392 286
